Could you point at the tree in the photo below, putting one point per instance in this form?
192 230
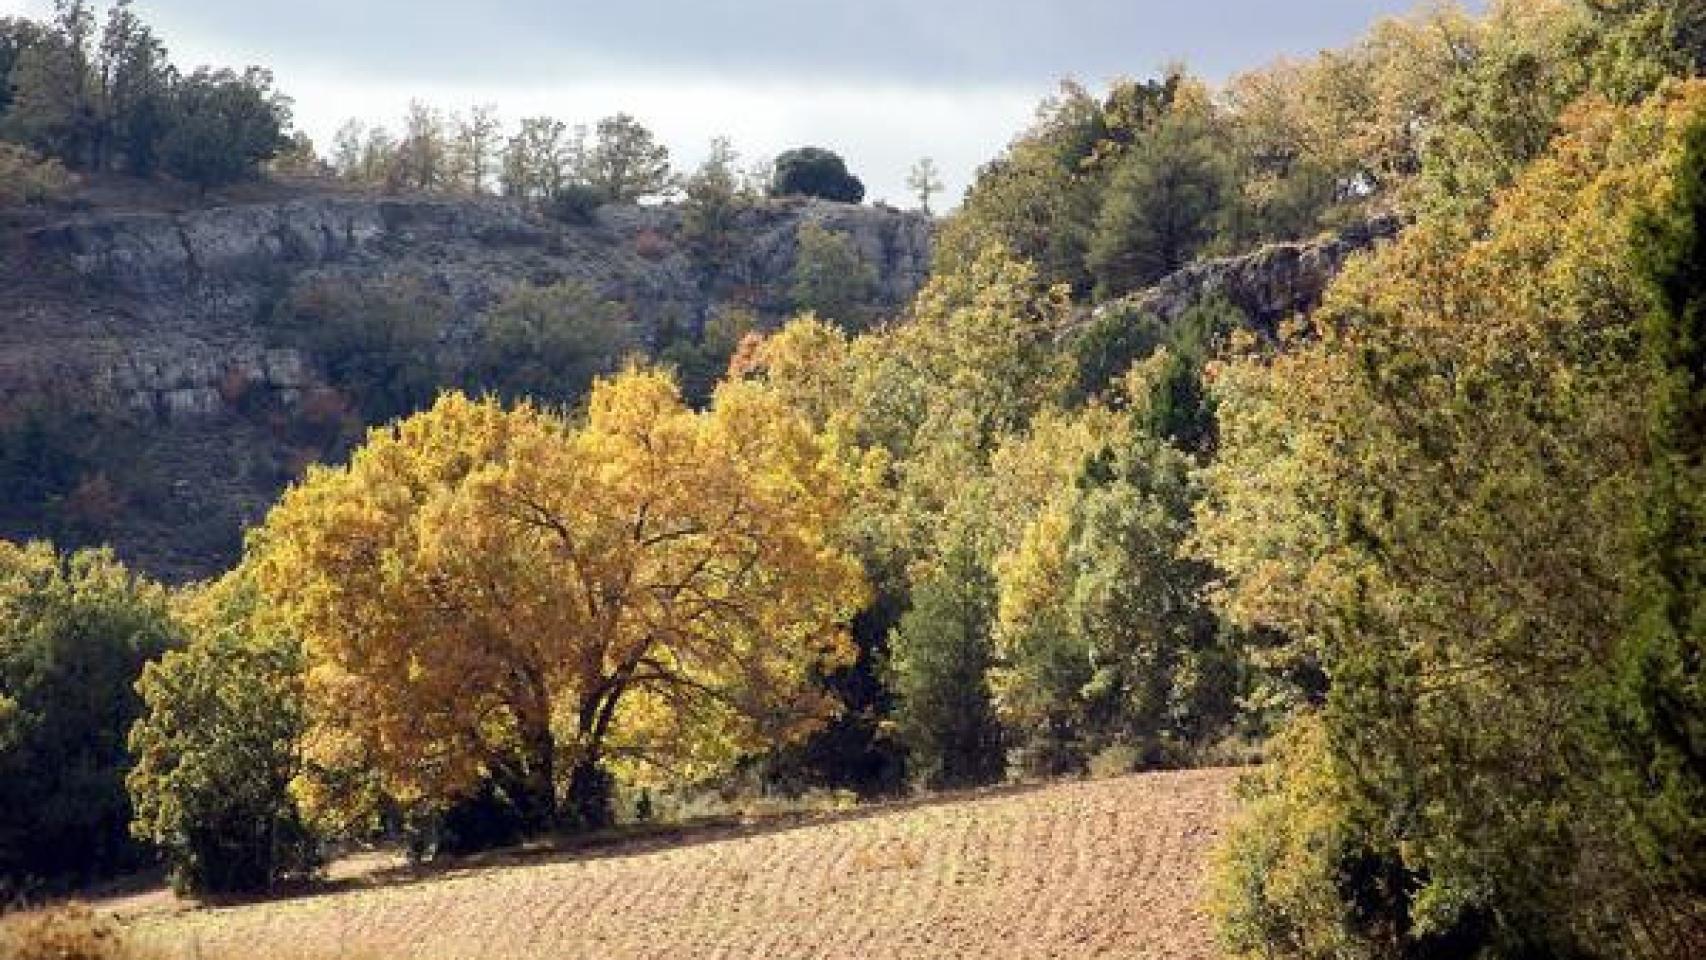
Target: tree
135 81
1166 201
223 127
714 199
548 343
940 655
829 277
490 595
55 107
378 341
625 161
539 160
815 172
423 153
218 746
924 181
75 631
17 34
473 146
1432 495
1658 695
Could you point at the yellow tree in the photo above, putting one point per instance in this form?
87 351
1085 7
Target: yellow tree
491 597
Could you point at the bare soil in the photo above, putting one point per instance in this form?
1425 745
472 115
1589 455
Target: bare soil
1108 868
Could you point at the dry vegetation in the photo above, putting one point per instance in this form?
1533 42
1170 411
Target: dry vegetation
1102 868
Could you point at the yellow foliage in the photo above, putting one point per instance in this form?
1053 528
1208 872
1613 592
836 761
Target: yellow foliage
484 588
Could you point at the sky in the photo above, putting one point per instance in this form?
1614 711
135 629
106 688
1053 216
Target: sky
882 82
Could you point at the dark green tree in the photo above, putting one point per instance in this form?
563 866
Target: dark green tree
75 631
1659 702
223 126
548 343
940 658
815 172
1166 201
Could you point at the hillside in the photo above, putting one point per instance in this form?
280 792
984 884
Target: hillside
143 338
1091 869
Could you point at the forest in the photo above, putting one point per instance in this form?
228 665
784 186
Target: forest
1429 561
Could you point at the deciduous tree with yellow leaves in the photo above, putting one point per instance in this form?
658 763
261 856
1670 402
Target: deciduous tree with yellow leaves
492 596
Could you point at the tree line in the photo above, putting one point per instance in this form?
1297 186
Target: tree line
101 96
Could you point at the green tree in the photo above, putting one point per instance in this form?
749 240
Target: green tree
218 746
548 343
815 172
55 107
1658 707
378 341
829 277
939 659
715 198
75 631
625 161
223 126
1166 201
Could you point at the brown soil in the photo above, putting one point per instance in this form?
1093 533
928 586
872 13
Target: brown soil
1110 868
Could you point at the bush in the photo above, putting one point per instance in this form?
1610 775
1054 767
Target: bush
67 932
815 172
577 204
27 177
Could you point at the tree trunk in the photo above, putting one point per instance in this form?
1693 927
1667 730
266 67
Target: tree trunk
537 803
589 800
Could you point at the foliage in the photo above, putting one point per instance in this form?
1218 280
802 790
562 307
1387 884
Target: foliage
815 172
1433 496
714 200
75 631
224 126
625 161
218 746
829 277
1164 202
377 340
490 595
106 97
548 343
1657 694
940 655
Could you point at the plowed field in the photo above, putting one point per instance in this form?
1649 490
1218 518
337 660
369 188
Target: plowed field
1110 868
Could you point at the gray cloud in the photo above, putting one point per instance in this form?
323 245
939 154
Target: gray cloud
945 42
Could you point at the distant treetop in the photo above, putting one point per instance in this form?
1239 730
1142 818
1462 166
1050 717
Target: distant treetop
815 172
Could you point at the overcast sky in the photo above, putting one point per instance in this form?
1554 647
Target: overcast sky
883 82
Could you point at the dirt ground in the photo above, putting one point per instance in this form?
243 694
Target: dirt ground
1109 868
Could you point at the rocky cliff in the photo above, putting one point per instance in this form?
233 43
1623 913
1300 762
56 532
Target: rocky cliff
1268 286
158 310
142 333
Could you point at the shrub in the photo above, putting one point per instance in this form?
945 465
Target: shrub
67 932
27 177
815 172
577 204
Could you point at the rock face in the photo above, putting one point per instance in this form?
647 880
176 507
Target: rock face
1271 285
162 309
161 317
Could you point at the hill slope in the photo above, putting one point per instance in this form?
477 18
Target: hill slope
1102 868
